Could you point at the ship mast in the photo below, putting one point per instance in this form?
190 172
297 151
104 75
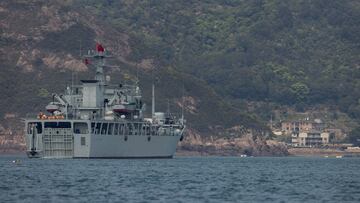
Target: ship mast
153 101
99 54
183 103
153 95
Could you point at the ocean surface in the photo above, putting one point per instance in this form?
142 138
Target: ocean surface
182 179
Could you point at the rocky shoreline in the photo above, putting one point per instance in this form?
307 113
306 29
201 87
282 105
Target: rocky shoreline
12 144
319 152
248 145
196 145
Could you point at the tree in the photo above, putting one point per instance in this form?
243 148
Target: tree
300 90
354 137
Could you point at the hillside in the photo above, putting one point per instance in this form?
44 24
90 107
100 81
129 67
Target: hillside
40 50
238 61
300 53
260 56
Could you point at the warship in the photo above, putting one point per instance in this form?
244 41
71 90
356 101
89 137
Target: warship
101 120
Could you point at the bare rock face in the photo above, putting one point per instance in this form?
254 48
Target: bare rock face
12 139
14 145
248 144
190 104
54 61
37 28
237 140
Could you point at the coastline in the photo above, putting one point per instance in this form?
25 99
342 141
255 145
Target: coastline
316 152
249 148
293 152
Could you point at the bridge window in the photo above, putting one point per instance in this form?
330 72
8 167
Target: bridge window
37 125
81 128
104 128
57 125
130 127
136 129
97 128
141 129
122 129
93 128
111 127
116 129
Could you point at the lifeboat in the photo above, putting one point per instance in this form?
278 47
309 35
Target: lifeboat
51 108
123 108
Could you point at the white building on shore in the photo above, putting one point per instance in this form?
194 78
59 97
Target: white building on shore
310 138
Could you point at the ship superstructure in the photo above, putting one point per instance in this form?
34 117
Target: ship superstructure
101 120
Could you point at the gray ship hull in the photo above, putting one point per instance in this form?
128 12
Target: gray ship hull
136 146
71 143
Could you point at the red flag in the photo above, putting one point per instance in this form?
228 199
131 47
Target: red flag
86 61
99 48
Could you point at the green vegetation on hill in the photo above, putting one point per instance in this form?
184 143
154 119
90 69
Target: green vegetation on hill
296 53
354 137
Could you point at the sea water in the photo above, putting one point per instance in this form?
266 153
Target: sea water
181 179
